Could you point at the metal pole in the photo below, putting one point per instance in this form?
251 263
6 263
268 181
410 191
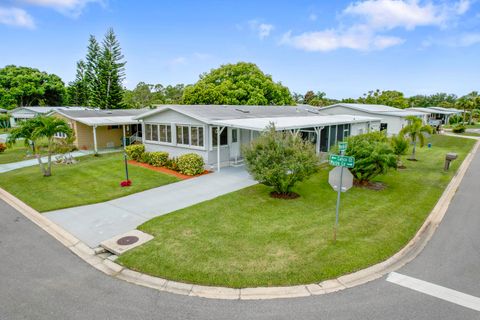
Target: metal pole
339 191
126 164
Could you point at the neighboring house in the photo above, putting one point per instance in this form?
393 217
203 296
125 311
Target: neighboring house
437 115
102 129
3 110
392 119
218 132
24 113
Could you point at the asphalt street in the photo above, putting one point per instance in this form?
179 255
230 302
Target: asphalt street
41 279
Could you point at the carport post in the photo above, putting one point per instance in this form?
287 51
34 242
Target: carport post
95 149
219 131
124 137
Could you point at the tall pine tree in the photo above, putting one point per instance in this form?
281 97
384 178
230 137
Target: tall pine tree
78 89
111 72
92 71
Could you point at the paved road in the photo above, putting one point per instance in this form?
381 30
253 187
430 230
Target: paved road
101 221
40 279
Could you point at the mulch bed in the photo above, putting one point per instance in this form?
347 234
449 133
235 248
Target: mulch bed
285 196
165 170
377 186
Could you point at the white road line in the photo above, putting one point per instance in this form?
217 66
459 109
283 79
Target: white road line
434 290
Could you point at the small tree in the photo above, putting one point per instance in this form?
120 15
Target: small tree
373 155
399 146
4 121
280 160
38 128
415 131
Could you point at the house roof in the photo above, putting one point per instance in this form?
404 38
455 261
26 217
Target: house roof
103 117
208 113
287 123
376 109
48 109
3 110
450 110
430 110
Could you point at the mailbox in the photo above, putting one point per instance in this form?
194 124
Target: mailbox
449 158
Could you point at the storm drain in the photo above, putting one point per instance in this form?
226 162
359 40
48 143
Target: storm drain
124 242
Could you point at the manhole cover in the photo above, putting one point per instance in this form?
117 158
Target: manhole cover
125 241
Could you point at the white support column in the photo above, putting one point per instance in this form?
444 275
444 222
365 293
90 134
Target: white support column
124 137
219 131
318 131
95 148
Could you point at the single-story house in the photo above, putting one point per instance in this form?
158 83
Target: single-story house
102 129
3 110
392 119
437 115
24 113
217 132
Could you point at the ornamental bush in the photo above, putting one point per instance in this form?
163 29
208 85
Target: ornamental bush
158 159
3 147
172 164
280 160
373 155
191 164
458 128
145 157
135 151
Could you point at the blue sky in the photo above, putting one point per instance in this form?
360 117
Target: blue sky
343 48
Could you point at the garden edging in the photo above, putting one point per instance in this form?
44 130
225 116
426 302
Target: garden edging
109 267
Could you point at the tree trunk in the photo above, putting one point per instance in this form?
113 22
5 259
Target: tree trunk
413 151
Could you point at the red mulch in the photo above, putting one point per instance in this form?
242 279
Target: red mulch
285 196
165 170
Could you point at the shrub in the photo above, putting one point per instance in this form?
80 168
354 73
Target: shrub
145 157
135 151
280 160
158 159
190 164
455 119
172 164
459 128
3 147
373 155
399 146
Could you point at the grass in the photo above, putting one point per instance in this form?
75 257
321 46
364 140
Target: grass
248 239
17 152
91 180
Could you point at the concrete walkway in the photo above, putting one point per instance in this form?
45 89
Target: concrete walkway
95 223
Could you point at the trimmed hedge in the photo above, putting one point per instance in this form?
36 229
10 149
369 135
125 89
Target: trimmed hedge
191 164
135 151
459 128
158 159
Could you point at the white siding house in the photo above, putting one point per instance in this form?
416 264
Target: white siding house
217 132
392 119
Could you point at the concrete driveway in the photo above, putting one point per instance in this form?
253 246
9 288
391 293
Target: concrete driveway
94 223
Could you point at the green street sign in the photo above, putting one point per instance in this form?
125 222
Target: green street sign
342 146
342 161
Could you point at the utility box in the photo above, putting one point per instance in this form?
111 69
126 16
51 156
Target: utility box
449 158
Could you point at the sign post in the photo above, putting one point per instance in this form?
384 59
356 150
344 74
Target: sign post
341 161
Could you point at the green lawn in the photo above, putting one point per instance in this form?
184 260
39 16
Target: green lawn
247 239
15 153
91 180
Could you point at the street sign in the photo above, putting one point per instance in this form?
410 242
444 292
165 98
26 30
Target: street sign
342 146
342 161
334 179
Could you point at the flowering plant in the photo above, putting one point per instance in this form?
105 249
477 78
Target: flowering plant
126 183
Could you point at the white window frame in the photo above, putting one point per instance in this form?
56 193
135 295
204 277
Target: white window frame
214 146
189 145
148 139
203 136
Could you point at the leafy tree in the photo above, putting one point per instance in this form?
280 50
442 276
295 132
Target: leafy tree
435 100
298 97
38 128
237 84
139 97
389 98
280 160
23 86
399 146
415 131
308 97
373 155
466 103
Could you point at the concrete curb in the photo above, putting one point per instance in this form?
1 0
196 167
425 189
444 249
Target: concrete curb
109 267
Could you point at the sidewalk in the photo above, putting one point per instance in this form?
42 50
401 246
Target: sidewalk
95 223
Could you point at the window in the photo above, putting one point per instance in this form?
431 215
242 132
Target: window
234 135
340 132
60 135
346 131
383 126
154 132
165 133
113 127
148 132
183 135
196 136
333 136
223 137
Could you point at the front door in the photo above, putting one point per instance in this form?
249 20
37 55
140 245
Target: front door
234 144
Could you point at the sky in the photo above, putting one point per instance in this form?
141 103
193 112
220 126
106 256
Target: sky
343 48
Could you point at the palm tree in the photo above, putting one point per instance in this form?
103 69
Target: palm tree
415 131
466 103
38 128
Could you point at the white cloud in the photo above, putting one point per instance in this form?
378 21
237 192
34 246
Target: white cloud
365 24
357 38
69 7
312 17
16 17
263 30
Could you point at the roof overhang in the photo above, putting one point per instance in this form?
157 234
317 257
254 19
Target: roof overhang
291 123
101 121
